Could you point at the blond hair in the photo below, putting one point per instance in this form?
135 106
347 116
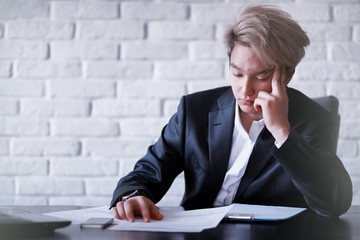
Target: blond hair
273 34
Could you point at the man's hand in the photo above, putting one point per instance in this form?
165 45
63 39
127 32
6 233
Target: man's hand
136 206
274 105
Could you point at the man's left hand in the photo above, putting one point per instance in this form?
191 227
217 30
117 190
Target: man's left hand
274 105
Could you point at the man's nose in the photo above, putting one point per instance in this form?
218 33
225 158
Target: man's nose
247 88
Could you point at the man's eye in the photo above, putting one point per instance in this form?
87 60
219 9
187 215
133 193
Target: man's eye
237 74
262 78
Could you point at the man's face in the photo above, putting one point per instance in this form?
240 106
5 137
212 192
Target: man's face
248 76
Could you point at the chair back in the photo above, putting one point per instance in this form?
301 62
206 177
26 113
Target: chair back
331 104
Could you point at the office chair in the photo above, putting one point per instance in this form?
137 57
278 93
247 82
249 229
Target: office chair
331 104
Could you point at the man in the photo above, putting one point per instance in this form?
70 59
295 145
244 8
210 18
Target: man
258 142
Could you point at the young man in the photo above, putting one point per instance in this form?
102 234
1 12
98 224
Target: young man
258 142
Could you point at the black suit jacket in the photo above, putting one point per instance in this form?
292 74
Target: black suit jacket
304 172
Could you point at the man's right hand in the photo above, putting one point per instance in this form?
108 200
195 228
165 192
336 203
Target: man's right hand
136 206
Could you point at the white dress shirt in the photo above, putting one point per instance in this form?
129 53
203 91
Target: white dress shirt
242 146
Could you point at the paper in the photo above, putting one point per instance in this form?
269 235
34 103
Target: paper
263 213
175 219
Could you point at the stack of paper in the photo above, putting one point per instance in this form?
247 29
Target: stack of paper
177 220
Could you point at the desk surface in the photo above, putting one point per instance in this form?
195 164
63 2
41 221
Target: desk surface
305 226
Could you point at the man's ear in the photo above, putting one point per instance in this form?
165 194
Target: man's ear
289 75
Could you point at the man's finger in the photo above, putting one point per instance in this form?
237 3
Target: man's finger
155 213
121 211
115 213
276 81
129 211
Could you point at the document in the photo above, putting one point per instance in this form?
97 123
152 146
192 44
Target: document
175 219
245 212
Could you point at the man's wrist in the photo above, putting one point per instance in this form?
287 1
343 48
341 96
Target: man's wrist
131 195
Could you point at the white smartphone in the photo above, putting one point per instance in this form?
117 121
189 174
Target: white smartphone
101 223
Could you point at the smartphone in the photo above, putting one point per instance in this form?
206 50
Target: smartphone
100 223
239 217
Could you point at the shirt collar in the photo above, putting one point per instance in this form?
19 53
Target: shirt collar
255 129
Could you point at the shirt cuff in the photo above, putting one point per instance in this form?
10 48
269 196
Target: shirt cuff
279 144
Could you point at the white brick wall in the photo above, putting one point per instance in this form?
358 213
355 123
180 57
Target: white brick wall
86 86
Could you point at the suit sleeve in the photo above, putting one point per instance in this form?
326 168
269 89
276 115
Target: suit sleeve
154 173
316 171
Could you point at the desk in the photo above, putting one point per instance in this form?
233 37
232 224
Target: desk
305 226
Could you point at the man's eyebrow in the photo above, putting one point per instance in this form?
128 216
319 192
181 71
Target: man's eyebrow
264 71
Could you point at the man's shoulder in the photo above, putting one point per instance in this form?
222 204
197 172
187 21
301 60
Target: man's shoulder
215 92
210 100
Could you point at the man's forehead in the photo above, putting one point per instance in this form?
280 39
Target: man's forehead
257 70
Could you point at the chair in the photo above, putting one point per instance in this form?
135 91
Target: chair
331 104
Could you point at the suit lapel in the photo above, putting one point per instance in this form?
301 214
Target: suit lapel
221 125
258 159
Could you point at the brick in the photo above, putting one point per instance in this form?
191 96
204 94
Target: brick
45 147
84 127
347 148
322 71
127 165
103 186
357 33
352 165
80 200
4 146
316 52
124 107
23 50
10 166
344 90
5 69
214 12
115 29
208 51
40 29
308 12
189 70
116 147
310 88
142 127
345 52
20 200
349 110
349 129
170 107
48 69
1 30
21 88
154 11
83 167
7 186
54 107
327 32
12 9
84 50
51 186
147 89
347 12
154 50
85 10
180 30
120 70
8 107
21 126
196 86
81 89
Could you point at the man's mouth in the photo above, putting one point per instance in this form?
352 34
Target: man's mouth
246 101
